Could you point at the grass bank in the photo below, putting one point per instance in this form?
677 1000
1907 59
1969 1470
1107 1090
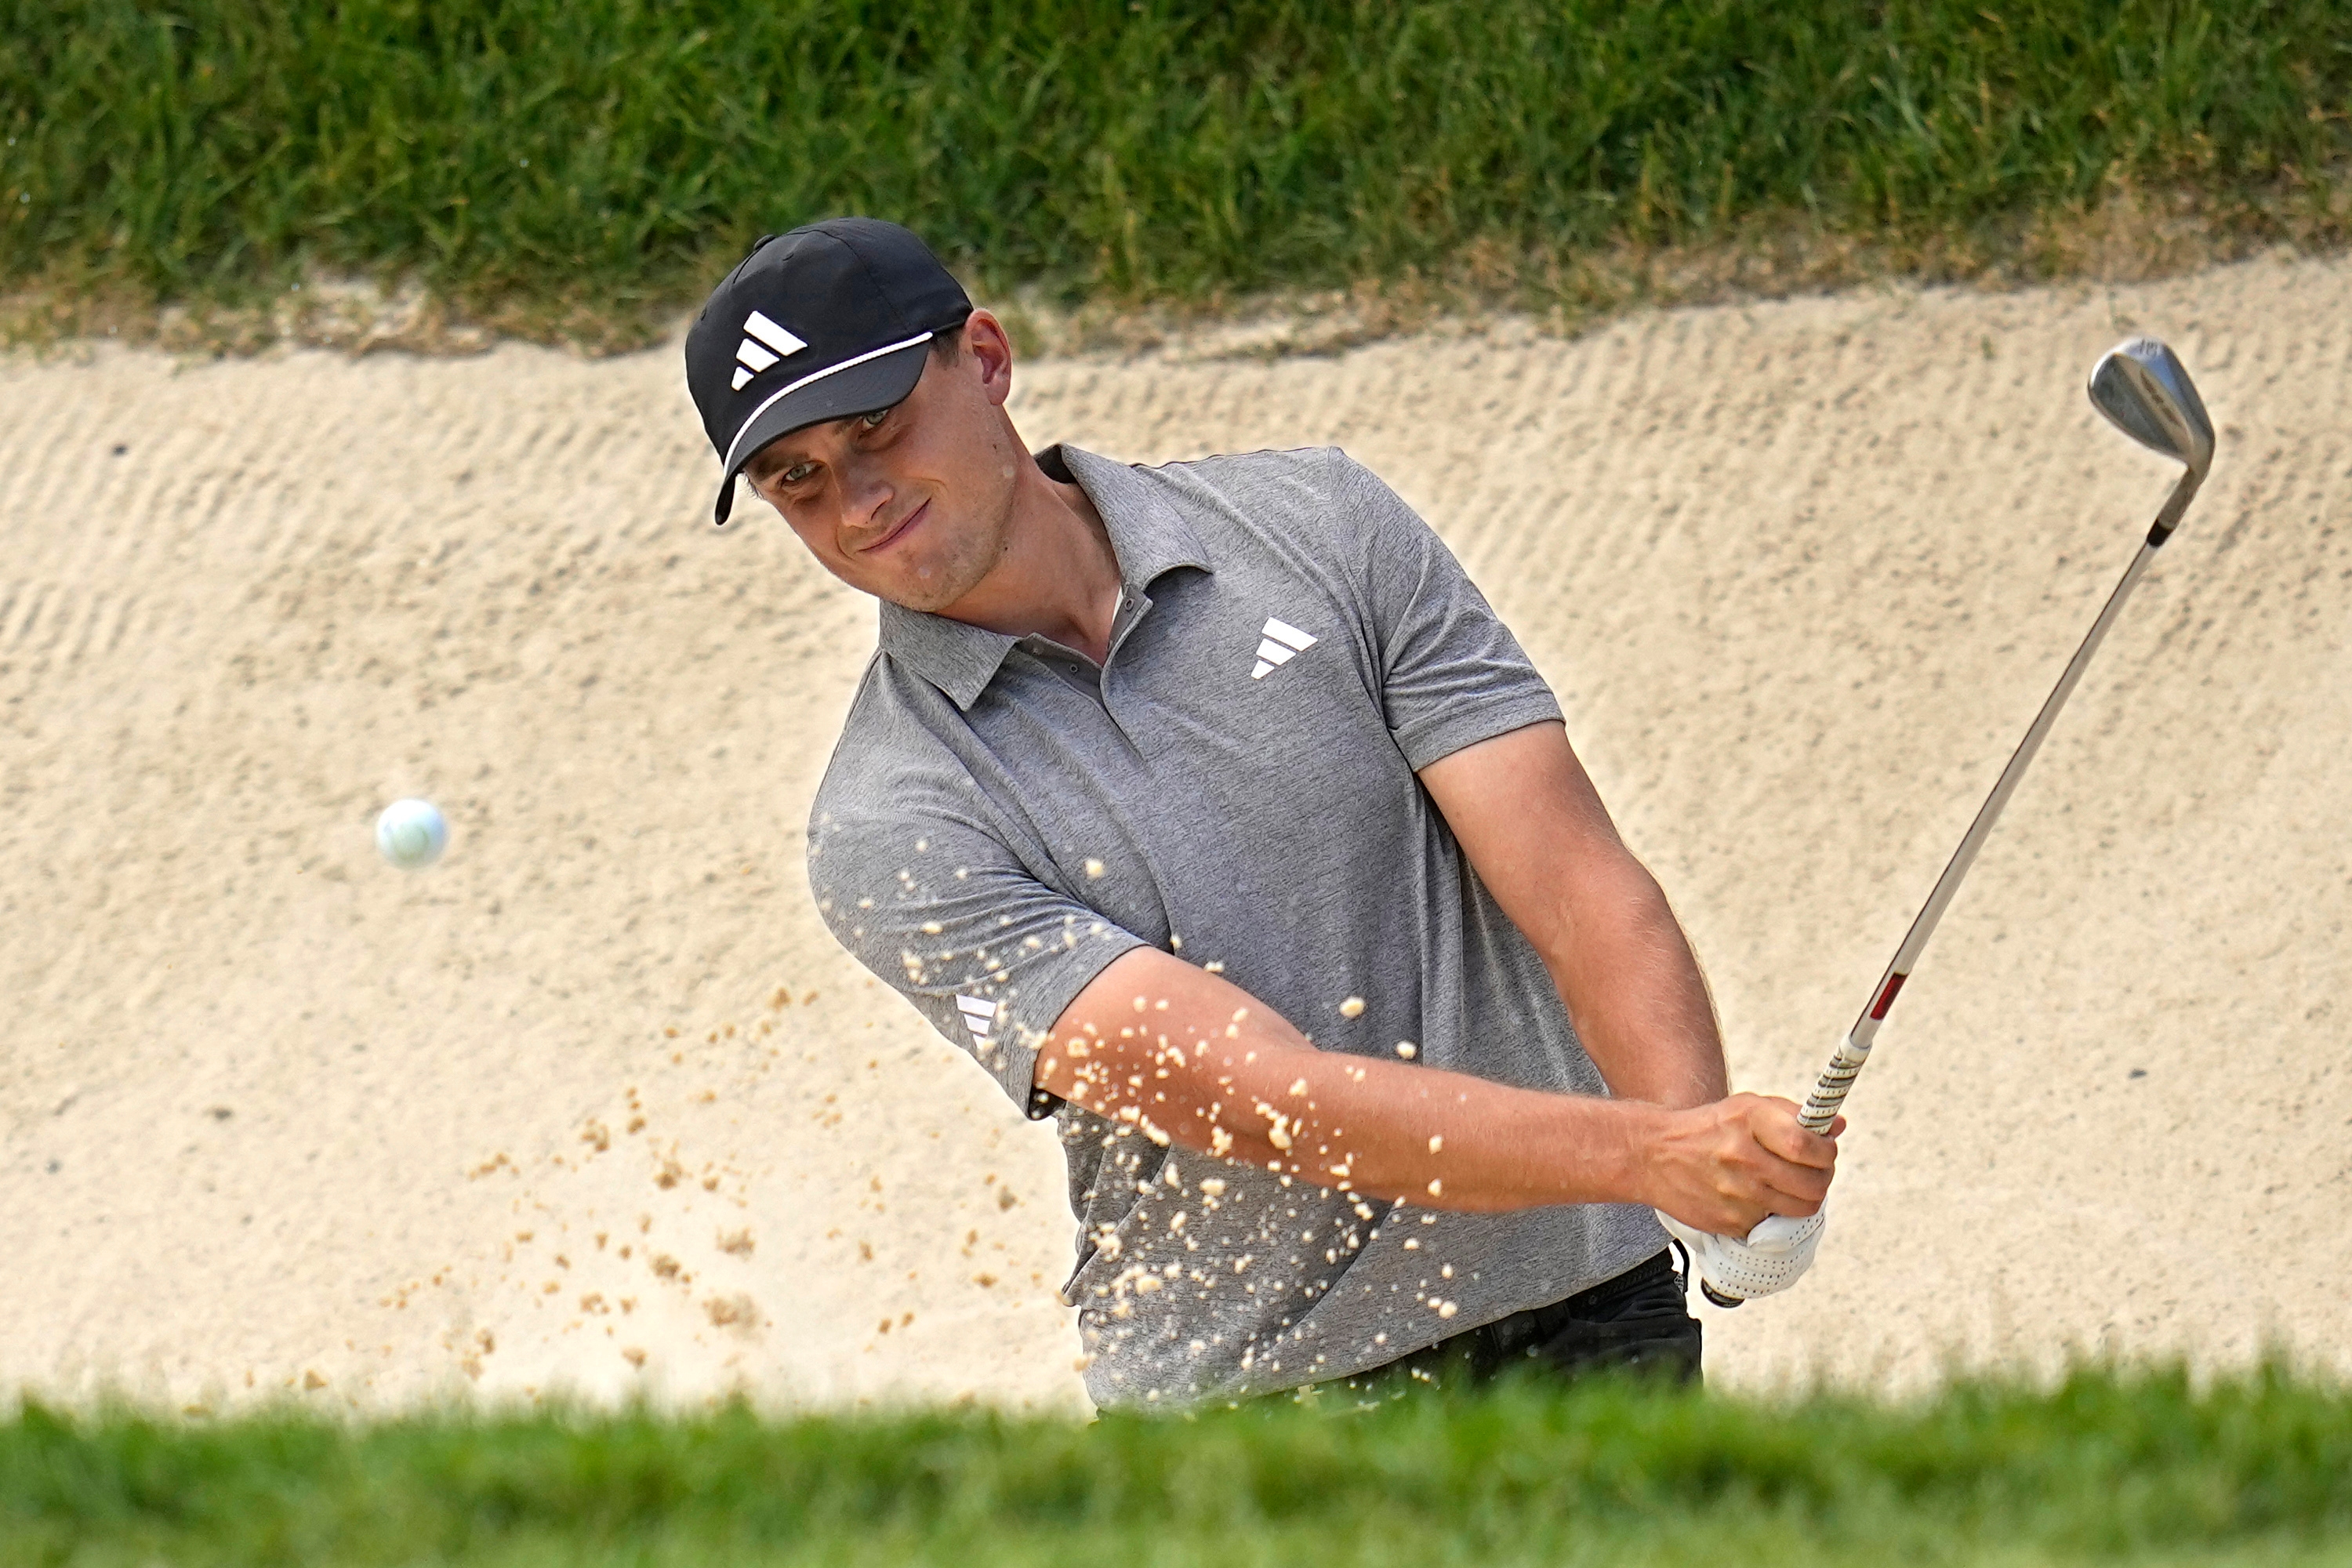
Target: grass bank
583 167
2136 1469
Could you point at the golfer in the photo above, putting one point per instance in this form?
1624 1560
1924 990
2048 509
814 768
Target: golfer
1214 813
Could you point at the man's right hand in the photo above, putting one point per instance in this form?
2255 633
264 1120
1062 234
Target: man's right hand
1723 1166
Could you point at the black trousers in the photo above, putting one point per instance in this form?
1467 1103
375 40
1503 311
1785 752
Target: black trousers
1634 1322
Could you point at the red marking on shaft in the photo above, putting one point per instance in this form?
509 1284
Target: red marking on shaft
1886 997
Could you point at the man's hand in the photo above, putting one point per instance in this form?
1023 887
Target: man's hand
1769 1260
1723 1167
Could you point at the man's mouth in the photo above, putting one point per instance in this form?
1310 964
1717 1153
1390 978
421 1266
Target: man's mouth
897 533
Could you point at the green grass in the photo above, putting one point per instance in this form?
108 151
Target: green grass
587 165
2108 1467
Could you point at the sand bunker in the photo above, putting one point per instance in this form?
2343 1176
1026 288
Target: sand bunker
596 1104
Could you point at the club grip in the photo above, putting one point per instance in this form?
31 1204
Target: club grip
1829 1091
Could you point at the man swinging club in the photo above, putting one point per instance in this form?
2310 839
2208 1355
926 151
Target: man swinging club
1215 812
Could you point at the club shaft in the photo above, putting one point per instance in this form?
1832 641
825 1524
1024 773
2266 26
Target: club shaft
1830 1089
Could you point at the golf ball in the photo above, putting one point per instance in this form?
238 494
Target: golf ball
412 834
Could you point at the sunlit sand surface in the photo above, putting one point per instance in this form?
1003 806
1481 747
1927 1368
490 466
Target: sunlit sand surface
595 1106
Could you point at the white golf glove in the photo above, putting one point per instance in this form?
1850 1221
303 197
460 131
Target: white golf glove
1771 1258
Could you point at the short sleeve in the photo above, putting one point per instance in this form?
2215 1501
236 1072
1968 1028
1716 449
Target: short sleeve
1451 674
937 906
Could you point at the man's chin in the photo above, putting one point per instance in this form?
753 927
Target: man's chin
931 595
930 572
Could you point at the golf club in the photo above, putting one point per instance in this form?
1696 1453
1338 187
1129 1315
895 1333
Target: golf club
2144 392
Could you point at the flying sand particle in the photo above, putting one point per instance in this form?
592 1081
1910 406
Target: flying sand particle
1353 1007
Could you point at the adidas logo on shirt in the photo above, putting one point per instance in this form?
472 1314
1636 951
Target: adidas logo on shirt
979 1016
764 343
1278 643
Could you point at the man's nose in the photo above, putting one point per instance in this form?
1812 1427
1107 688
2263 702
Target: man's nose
866 490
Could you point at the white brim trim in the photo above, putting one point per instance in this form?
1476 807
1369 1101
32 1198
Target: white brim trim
774 397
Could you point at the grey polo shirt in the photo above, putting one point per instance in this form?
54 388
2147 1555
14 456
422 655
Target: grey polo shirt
1234 785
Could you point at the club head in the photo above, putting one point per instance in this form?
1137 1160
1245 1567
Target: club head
2144 392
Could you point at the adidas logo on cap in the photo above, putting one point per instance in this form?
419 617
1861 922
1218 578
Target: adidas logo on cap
764 343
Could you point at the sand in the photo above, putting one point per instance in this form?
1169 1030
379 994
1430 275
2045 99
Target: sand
596 1105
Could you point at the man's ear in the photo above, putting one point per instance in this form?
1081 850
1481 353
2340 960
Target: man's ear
985 343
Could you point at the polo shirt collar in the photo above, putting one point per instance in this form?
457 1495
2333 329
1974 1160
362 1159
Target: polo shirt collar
1148 537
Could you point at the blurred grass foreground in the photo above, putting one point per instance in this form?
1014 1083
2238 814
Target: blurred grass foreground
2105 1465
585 168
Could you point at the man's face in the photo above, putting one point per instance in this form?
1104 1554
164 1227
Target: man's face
912 504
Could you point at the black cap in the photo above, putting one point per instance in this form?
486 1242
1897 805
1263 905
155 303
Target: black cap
830 320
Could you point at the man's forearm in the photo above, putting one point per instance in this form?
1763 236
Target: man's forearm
1535 832
1188 1058
1634 988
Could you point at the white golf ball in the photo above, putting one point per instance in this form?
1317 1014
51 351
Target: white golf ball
412 834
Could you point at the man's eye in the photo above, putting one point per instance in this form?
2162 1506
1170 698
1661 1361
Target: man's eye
796 473
868 421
